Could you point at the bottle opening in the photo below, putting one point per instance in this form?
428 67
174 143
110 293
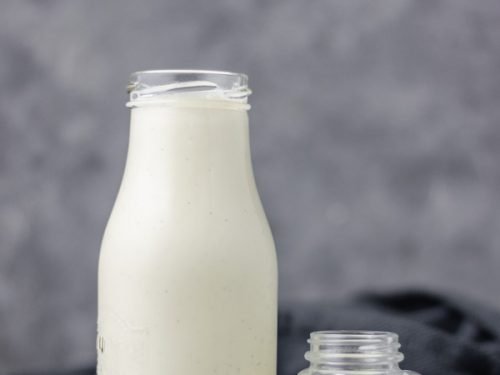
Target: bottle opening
188 87
354 352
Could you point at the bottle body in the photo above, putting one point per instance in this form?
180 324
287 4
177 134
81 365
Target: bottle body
187 270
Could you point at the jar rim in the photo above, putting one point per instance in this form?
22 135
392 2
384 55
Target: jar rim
354 352
357 334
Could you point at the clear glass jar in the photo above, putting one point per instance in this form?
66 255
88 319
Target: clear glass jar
354 353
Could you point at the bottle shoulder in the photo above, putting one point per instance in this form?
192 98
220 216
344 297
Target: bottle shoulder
169 226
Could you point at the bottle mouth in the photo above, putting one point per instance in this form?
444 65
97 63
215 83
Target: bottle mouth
354 350
339 338
188 87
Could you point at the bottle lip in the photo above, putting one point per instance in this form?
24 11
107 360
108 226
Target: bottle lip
354 352
346 345
176 86
353 334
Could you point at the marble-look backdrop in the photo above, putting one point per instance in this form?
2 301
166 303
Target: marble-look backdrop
375 136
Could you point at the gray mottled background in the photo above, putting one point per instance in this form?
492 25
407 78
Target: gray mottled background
375 135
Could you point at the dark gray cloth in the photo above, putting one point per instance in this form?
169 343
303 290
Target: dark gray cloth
440 334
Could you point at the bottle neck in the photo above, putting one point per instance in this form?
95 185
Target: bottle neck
188 126
185 148
354 352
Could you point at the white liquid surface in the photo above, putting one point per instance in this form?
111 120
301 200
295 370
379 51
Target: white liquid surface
187 271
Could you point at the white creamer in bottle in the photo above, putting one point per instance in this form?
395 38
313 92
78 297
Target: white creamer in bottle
187 269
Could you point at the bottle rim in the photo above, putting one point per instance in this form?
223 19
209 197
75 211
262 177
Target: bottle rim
164 86
354 352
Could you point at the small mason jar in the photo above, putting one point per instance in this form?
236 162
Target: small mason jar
354 353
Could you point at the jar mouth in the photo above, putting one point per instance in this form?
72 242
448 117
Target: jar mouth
354 352
154 87
348 347
352 335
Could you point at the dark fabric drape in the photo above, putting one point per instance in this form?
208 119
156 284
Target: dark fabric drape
441 334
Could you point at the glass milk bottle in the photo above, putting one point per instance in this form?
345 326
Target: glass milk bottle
187 269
